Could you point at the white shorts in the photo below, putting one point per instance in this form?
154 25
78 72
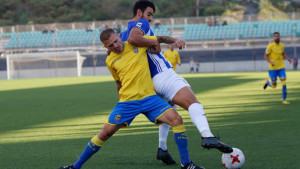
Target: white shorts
168 83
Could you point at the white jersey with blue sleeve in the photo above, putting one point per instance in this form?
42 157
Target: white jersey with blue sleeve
157 62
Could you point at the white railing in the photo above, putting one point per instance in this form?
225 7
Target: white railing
163 21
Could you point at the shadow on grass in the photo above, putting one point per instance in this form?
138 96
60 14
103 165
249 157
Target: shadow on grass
259 129
26 108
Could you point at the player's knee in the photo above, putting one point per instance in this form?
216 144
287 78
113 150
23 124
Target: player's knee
105 134
176 120
283 81
274 84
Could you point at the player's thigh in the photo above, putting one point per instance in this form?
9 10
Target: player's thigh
185 97
282 74
171 117
168 83
107 131
155 108
273 75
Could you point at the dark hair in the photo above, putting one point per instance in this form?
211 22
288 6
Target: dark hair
105 34
142 5
276 33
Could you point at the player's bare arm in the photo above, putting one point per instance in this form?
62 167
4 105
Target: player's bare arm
136 38
266 56
286 57
169 40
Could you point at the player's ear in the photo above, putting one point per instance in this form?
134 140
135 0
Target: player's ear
139 12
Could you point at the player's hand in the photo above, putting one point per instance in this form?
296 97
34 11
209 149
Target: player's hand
180 44
155 49
272 63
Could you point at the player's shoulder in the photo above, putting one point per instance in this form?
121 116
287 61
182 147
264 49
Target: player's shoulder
143 21
271 44
281 44
110 58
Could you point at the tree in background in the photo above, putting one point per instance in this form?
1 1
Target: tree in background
20 12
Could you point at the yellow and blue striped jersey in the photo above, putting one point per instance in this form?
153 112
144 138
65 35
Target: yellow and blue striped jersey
172 57
131 68
275 52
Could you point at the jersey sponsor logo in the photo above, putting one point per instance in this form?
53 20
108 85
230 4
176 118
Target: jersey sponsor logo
139 24
135 49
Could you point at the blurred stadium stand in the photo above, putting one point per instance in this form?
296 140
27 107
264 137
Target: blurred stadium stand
190 29
240 30
79 37
61 38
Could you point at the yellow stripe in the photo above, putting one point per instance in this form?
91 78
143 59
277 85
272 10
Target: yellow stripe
109 123
96 140
124 125
283 83
179 129
161 115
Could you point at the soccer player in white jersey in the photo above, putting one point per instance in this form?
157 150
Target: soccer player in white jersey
166 82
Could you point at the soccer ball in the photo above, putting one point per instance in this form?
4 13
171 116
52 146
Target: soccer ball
234 160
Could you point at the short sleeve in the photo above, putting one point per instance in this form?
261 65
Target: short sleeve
165 53
123 36
143 25
112 71
269 49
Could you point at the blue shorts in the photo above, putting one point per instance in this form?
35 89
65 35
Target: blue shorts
279 72
153 107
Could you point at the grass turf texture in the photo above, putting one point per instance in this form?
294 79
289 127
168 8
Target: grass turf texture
46 123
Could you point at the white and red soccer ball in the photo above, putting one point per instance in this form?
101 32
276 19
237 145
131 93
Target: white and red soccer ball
234 160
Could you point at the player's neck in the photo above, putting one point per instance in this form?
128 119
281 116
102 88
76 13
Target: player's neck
136 18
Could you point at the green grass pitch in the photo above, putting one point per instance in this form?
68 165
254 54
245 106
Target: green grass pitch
46 123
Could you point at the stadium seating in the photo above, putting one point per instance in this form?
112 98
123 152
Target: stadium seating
257 29
60 38
80 37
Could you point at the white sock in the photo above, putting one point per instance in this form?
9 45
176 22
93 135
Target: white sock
163 135
199 119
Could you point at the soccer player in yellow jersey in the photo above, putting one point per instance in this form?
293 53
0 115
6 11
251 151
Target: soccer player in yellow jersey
129 67
172 56
167 82
274 56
